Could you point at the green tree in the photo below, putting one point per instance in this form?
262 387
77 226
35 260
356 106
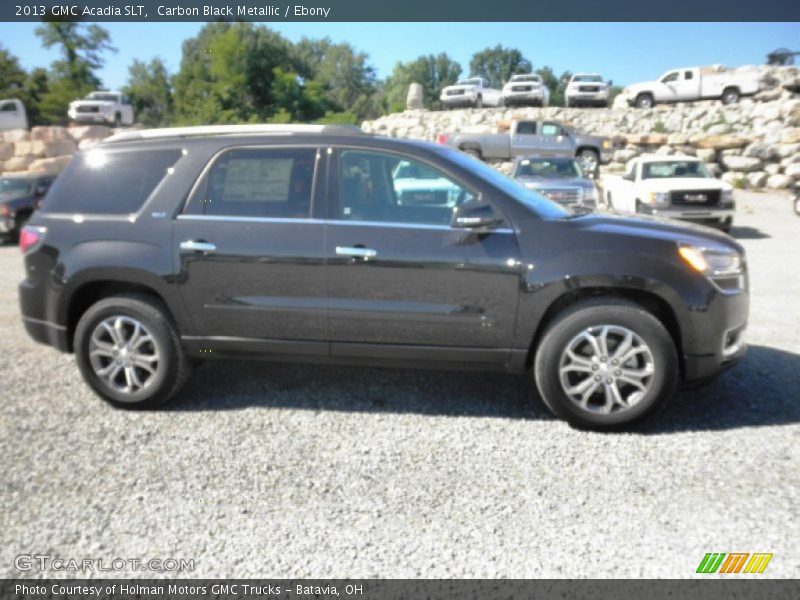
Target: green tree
498 64
12 76
345 74
556 85
150 92
82 47
433 72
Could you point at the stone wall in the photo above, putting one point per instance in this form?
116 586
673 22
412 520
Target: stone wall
754 143
46 150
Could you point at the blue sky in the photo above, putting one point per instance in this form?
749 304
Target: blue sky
623 52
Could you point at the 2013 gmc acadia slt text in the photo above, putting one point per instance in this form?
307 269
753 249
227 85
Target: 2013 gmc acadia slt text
325 244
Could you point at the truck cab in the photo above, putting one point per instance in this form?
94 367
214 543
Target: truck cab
12 114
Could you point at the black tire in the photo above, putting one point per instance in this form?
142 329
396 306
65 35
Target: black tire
609 201
117 120
797 205
638 207
644 101
589 157
567 103
614 312
479 102
730 95
173 369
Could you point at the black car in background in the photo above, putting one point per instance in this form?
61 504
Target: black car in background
295 243
20 195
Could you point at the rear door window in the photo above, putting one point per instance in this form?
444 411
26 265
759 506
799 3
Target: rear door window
258 182
109 182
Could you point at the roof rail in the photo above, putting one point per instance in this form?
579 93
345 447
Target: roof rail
205 130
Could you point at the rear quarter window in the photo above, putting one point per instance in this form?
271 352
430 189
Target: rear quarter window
109 182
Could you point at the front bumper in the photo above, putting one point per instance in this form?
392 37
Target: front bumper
588 98
82 117
710 216
534 96
461 100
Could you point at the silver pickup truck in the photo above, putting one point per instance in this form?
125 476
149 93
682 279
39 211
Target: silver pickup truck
542 138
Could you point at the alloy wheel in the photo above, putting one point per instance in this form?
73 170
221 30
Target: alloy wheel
123 354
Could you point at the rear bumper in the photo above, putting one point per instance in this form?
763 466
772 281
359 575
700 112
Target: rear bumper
38 323
46 332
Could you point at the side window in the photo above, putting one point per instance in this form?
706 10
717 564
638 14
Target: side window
374 186
125 100
688 75
109 182
526 128
551 129
670 78
7 107
632 170
258 182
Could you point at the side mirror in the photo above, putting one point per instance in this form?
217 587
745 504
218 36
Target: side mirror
40 190
628 177
474 214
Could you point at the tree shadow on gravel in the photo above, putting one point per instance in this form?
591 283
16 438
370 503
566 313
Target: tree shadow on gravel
760 391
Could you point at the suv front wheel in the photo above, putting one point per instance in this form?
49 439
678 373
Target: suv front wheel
129 352
605 363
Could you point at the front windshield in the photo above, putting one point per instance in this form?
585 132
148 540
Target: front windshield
548 167
13 184
547 209
588 79
525 78
100 97
675 168
469 82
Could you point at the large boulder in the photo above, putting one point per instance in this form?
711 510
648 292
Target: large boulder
647 139
725 141
757 179
15 135
6 150
84 132
762 151
414 97
49 166
34 148
59 148
792 170
791 136
779 181
707 154
49 133
744 164
18 163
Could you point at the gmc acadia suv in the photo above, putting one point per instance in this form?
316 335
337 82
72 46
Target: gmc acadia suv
311 243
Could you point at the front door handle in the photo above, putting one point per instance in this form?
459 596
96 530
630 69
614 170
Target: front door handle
198 246
356 252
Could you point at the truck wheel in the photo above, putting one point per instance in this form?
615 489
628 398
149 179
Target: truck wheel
129 352
479 102
644 101
474 152
730 96
797 205
117 120
605 363
609 202
589 161
567 103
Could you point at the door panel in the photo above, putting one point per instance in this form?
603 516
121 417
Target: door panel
554 141
251 259
392 281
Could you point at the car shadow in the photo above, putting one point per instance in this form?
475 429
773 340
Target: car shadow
760 391
748 233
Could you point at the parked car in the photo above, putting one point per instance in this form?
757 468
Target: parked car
475 92
560 179
158 247
544 138
680 187
110 108
693 83
526 89
418 185
20 195
12 114
586 89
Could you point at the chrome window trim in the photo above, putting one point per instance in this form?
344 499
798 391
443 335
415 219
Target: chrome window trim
339 222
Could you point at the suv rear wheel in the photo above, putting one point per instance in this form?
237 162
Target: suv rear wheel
129 352
605 363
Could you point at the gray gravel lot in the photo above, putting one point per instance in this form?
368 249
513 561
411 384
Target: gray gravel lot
276 470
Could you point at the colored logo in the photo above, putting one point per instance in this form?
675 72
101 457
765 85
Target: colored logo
734 562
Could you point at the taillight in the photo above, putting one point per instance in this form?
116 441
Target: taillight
442 138
30 237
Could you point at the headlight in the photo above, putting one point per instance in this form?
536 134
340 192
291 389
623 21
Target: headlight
727 197
712 262
607 144
105 107
659 198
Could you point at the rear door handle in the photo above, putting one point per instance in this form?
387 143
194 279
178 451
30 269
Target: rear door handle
356 252
198 246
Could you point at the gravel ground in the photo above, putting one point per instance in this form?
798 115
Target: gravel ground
304 471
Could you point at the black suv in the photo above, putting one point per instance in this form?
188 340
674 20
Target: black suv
324 244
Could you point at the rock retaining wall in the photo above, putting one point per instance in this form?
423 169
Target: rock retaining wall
45 150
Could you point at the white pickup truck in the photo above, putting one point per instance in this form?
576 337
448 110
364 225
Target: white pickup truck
679 187
475 91
12 114
109 108
693 83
